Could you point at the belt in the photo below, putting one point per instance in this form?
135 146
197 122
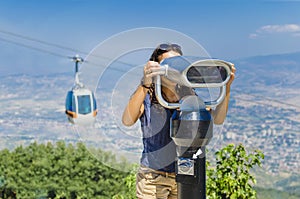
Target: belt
165 174
162 173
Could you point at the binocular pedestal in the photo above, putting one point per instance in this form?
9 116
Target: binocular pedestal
191 132
193 185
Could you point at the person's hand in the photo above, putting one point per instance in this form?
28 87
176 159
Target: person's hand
151 69
232 76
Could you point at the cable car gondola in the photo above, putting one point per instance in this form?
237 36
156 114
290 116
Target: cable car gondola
81 107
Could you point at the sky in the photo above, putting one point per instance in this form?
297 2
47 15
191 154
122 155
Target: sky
37 37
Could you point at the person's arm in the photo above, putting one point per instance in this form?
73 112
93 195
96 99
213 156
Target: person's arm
135 106
219 114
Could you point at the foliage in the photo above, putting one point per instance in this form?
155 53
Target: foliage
58 172
231 177
129 182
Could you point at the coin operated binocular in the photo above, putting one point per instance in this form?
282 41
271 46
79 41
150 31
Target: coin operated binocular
192 124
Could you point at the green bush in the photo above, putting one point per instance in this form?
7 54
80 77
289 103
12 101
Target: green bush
58 171
231 177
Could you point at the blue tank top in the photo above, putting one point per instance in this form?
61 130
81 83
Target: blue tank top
159 149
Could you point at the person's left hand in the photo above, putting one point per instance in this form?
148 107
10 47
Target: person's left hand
232 76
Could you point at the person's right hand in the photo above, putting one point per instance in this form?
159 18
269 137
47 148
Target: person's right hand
151 69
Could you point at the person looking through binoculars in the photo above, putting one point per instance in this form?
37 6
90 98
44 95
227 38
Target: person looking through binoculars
156 174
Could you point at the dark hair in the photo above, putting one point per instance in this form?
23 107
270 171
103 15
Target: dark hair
165 47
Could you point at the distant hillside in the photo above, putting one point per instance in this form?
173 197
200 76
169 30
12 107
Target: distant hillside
271 70
263 193
272 63
264 114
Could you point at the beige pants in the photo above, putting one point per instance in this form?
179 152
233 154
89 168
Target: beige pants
151 184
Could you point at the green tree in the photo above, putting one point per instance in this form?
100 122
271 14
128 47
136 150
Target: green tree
231 177
58 171
129 182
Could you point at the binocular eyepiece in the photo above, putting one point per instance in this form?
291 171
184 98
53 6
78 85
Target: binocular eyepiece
194 72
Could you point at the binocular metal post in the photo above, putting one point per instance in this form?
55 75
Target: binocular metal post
191 124
191 130
193 186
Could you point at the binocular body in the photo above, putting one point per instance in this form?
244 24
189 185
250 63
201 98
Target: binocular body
191 126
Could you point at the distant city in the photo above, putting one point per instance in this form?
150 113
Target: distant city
34 110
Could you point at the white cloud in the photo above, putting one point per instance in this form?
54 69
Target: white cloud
279 28
253 35
272 29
